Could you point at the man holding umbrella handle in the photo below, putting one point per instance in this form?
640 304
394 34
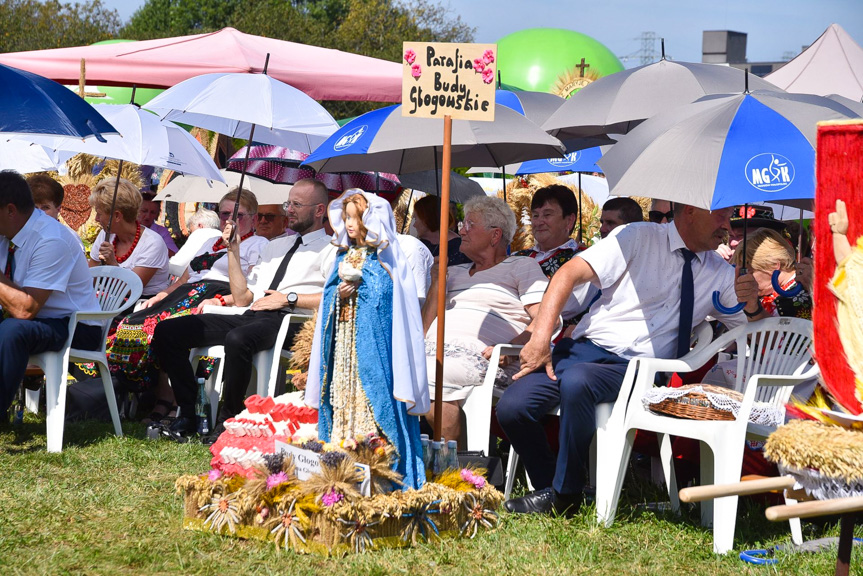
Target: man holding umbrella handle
656 282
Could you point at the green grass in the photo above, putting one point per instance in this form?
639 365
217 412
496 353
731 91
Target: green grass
107 505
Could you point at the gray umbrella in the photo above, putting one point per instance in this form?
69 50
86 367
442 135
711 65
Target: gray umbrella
848 103
617 103
386 141
461 189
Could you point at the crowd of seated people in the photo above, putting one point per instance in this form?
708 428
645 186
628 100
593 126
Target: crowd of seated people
492 297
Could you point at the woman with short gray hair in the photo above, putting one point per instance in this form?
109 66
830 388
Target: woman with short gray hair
489 301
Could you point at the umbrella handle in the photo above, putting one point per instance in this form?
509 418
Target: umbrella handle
793 291
718 305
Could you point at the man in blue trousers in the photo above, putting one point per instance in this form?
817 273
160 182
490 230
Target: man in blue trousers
44 278
656 281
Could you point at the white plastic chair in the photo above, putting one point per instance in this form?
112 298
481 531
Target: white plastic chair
115 287
775 353
609 433
265 362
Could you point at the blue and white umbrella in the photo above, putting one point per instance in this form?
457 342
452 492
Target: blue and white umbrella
386 141
31 104
578 161
535 106
724 150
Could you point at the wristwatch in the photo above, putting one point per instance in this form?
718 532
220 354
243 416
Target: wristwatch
292 298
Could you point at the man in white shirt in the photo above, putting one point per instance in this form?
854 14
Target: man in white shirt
44 278
642 270
420 260
290 277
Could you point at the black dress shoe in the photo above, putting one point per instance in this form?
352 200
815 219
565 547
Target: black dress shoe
538 502
181 429
545 501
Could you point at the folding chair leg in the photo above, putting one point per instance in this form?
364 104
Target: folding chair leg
55 403
667 459
108 384
511 467
610 472
31 400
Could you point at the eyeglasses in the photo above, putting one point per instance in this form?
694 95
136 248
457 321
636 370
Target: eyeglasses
467 225
228 213
656 216
267 217
295 205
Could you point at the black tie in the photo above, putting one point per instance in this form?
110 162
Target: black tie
687 303
10 261
280 272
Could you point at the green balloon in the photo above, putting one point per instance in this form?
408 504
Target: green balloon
550 60
122 94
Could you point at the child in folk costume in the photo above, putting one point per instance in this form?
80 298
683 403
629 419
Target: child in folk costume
367 370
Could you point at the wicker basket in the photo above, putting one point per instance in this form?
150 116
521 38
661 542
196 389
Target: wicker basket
695 405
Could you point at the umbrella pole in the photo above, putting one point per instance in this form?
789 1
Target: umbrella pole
119 173
578 237
503 181
245 165
800 237
406 223
745 234
441 282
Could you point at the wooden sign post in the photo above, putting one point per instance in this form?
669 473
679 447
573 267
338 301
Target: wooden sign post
442 80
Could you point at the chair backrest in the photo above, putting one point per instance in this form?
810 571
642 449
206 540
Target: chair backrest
776 347
115 287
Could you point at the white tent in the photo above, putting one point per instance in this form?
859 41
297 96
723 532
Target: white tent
833 64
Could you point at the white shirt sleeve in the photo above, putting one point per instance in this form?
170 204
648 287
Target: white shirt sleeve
50 266
610 258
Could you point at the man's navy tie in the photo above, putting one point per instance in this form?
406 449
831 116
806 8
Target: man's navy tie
687 303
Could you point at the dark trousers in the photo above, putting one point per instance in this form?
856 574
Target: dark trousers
242 335
587 375
21 338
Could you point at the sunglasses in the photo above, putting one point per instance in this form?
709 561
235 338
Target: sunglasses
267 217
227 214
656 216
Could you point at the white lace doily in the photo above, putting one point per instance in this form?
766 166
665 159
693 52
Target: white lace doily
762 413
824 487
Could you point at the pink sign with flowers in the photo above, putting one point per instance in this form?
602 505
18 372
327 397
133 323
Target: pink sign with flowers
446 79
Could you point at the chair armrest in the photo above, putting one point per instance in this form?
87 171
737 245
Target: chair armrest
224 310
79 316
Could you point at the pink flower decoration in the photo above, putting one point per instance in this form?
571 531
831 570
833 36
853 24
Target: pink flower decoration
214 475
488 75
468 476
332 497
274 480
478 65
416 71
488 56
410 56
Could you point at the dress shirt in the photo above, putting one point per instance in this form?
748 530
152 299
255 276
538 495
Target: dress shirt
48 257
307 271
639 268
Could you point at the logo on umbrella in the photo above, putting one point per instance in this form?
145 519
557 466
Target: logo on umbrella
769 172
567 160
349 140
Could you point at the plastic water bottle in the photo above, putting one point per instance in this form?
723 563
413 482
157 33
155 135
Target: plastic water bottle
452 455
427 461
202 409
438 462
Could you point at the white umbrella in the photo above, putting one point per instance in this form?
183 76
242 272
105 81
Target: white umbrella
248 106
26 157
197 189
146 140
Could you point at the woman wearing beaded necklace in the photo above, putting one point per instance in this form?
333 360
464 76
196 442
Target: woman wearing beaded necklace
131 245
206 277
367 369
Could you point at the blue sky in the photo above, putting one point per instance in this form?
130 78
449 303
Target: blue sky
774 26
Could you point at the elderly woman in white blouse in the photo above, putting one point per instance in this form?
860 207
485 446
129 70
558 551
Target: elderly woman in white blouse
489 301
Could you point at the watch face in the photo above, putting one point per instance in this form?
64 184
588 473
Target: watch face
292 298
